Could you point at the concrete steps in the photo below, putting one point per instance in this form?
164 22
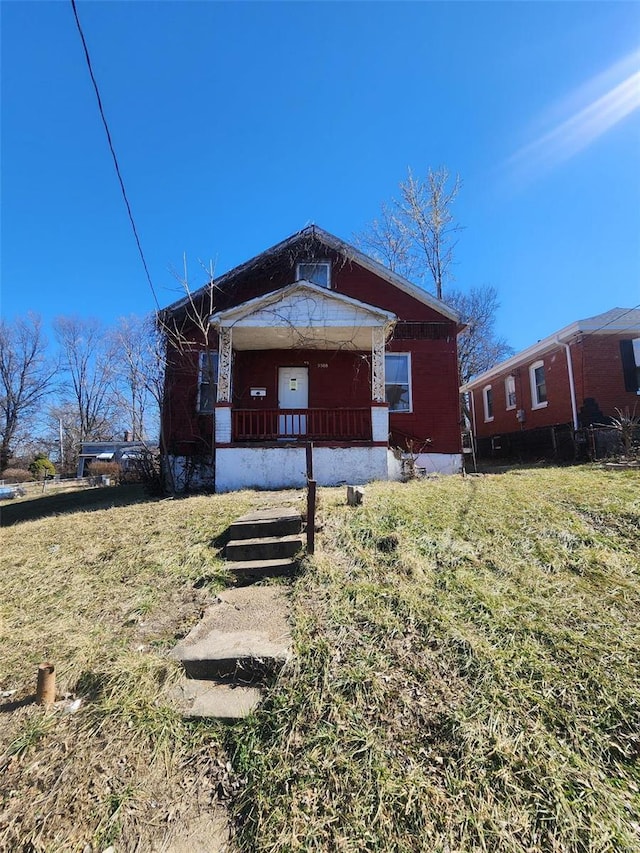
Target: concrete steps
264 548
243 640
251 571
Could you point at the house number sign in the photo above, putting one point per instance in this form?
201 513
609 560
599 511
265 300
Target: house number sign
321 364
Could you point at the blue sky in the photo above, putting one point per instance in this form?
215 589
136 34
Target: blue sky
238 123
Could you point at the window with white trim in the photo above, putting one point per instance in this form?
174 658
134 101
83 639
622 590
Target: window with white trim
538 385
317 272
397 381
510 391
207 382
487 401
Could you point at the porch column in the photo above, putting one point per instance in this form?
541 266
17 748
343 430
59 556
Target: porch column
379 408
223 398
377 364
224 364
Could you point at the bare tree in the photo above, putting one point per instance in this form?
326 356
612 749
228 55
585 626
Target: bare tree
427 220
387 240
87 361
415 236
478 347
26 375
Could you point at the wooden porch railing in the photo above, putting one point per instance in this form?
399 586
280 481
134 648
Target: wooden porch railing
301 424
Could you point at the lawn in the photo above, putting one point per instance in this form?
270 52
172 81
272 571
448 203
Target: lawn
466 676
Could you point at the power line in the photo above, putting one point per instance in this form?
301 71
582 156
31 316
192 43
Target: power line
613 320
113 153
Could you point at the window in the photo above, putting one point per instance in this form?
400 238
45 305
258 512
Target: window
397 385
317 272
630 352
538 385
207 381
487 399
510 392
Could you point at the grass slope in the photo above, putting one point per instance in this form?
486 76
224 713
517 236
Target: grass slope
467 674
103 594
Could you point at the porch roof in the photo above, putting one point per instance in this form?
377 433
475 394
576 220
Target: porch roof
303 315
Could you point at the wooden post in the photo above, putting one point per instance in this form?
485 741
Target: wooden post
311 516
46 689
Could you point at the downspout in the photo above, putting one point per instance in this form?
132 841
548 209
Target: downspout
572 389
473 415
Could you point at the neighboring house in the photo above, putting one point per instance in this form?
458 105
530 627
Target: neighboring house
539 401
125 453
309 341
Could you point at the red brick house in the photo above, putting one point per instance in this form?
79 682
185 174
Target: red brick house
539 401
309 341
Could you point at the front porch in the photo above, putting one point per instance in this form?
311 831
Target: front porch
335 426
287 364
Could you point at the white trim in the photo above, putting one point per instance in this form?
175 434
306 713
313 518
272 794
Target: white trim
319 263
509 406
535 402
408 411
234 315
628 322
485 403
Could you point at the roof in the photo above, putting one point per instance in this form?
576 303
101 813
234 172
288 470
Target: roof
610 322
346 250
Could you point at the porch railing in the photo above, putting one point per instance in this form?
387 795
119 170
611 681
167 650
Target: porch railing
303 424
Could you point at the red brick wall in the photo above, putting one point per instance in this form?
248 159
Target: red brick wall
603 377
346 381
598 377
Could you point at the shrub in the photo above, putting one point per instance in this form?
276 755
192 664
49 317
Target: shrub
42 467
106 469
16 475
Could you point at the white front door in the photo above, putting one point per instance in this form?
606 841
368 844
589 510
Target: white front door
293 393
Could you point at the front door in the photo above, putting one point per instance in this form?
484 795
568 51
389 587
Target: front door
293 393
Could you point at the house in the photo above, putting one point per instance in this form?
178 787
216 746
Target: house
539 402
125 453
310 341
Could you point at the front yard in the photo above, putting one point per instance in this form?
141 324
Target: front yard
466 676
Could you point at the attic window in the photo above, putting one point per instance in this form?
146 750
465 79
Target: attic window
317 272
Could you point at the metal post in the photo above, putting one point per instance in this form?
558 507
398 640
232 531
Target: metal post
309 450
311 516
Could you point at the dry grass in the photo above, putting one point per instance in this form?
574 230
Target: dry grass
104 594
467 674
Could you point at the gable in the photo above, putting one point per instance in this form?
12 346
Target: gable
302 310
275 268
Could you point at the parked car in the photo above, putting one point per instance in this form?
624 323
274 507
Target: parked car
7 493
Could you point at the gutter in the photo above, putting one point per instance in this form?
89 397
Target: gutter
572 389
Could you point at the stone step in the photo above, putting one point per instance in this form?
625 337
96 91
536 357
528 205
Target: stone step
250 571
245 634
281 521
264 548
197 698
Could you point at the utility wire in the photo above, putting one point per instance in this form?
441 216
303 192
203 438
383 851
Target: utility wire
113 153
613 320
